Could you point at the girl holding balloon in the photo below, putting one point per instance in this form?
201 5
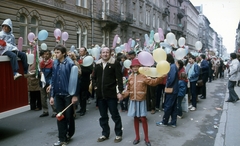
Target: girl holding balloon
136 90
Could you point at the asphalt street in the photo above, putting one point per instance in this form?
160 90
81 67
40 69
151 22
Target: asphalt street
198 128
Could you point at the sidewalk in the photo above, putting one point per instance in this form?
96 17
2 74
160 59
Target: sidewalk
229 126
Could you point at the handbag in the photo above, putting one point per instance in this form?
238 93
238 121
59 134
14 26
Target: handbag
199 83
168 90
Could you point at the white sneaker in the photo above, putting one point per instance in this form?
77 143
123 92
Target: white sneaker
17 75
192 109
190 106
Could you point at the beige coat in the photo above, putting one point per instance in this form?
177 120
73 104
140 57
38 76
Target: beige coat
137 86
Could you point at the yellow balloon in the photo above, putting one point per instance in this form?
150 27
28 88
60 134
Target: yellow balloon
159 54
149 71
163 67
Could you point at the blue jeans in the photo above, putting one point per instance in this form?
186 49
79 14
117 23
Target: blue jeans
67 125
14 60
159 92
109 104
232 94
179 105
170 109
193 90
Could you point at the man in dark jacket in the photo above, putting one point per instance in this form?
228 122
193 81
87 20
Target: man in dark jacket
204 73
84 82
107 75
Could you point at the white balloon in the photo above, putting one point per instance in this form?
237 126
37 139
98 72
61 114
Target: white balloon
156 37
180 54
198 45
170 38
181 41
95 53
87 61
127 63
44 46
118 40
30 58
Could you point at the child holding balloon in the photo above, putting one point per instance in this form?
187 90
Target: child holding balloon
136 89
11 49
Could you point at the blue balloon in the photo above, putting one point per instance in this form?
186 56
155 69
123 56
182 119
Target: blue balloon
72 48
72 85
133 44
42 35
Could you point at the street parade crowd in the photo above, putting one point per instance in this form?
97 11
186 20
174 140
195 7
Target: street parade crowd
118 81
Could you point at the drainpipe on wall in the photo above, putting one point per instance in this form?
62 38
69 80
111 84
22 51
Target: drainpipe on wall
92 19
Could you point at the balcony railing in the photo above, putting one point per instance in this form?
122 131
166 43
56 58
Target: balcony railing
127 17
109 15
166 12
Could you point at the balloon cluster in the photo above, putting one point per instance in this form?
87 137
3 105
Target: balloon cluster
58 34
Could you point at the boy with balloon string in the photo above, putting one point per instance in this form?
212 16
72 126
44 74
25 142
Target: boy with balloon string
60 94
136 90
11 49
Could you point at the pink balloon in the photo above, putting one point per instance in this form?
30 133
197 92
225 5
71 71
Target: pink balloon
161 34
145 58
65 36
115 41
57 33
130 43
31 37
20 43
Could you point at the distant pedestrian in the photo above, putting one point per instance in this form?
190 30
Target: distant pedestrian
204 74
233 72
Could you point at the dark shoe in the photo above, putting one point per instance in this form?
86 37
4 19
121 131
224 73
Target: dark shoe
82 113
37 109
161 124
44 115
172 125
78 111
59 143
202 97
118 139
54 115
236 100
147 143
229 100
152 111
68 138
102 138
136 142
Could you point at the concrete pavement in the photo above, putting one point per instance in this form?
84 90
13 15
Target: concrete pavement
229 128
198 128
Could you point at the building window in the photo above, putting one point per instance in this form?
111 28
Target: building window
82 3
154 20
79 44
23 28
158 23
134 11
105 37
84 37
147 18
34 25
141 14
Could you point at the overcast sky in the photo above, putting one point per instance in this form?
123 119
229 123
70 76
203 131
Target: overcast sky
224 16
